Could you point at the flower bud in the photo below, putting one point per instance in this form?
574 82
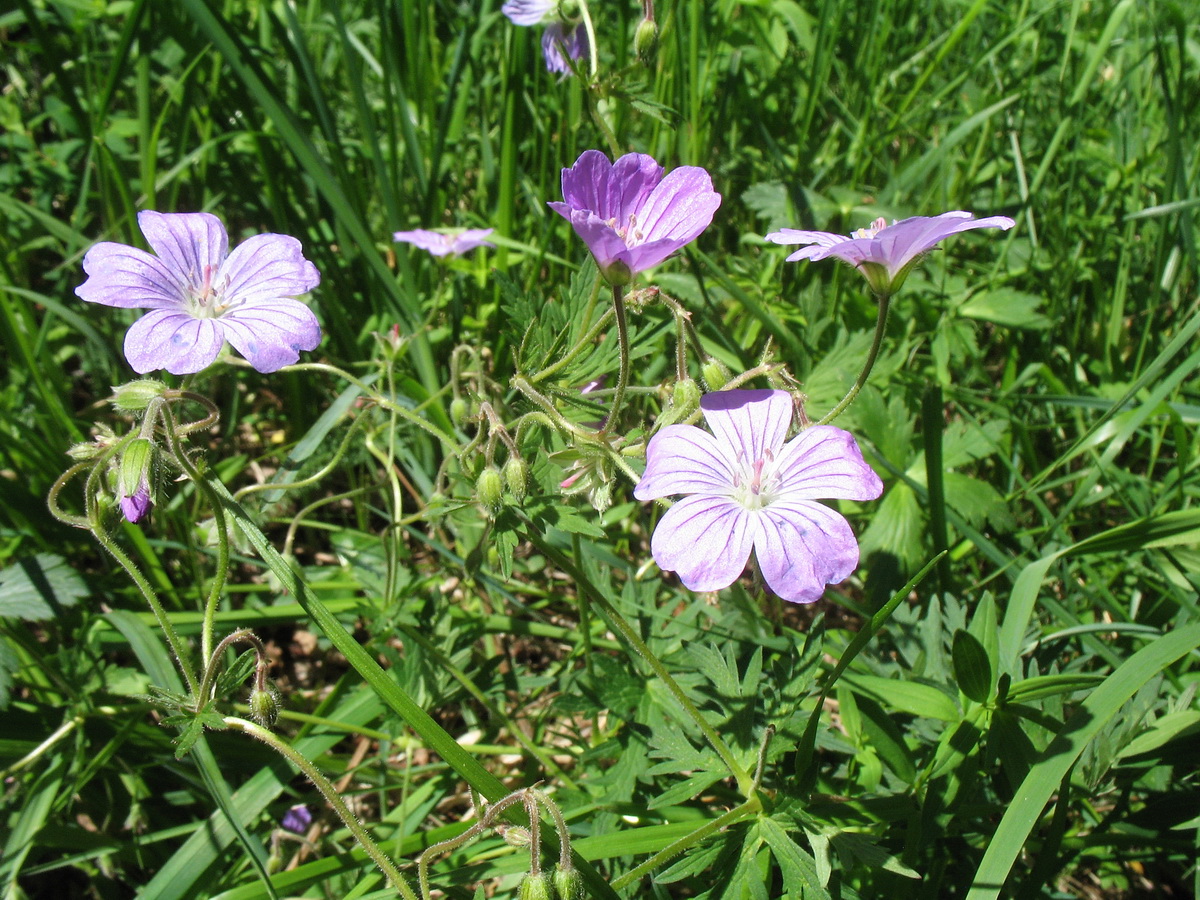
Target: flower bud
516 476
685 398
645 41
489 489
133 479
516 836
568 883
85 450
136 395
264 708
458 410
534 887
715 375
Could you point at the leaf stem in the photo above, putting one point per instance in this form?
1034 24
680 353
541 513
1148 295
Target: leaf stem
876 343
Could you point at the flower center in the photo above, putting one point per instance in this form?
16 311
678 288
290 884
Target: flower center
757 484
205 300
877 226
630 233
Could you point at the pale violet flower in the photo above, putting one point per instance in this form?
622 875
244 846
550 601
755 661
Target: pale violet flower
748 489
200 295
529 12
297 819
629 215
885 253
444 243
563 42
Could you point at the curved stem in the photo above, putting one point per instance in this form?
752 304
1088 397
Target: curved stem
623 365
591 33
210 670
582 344
140 580
880 328
325 786
751 806
617 621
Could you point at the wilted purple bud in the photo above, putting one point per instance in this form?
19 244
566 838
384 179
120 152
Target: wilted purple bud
297 819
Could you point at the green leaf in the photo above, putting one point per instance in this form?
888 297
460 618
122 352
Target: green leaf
972 670
799 869
1006 306
37 587
1047 774
1165 729
853 847
907 696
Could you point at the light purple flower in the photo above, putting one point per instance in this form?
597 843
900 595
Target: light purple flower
529 12
135 506
444 243
750 490
630 216
297 819
562 42
885 253
200 295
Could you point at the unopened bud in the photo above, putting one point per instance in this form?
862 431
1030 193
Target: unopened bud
645 41
516 476
264 708
534 887
133 479
685 398
85 450
136 395
715 375
568 883
458 410
489 489
516 836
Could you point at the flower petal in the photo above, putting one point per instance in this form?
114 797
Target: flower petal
266 267
527 12
801 547
901 243
683 459
823 462
172 340
706 539
680 207
748 422
189 244
124 276
271 333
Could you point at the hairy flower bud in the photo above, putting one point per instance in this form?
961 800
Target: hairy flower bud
645 41
568 883
516 476
516 836
715 375
685 398
136 395
534 887
458 410
264 707
489 489
133 479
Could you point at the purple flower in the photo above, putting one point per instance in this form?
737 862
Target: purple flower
528 12
885 253
630 216
443 244
750 490
562 42
200 295
297 819
135 506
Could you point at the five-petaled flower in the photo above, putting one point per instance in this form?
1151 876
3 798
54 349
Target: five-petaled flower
441 243
885 253
748 489
630 216
200 295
